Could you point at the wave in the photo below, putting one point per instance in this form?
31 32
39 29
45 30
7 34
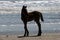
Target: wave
46 28
9 3
29 24
9 7
52 23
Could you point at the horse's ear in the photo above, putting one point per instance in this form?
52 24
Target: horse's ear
24 6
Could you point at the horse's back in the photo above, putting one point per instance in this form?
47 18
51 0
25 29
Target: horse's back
35 14
38 15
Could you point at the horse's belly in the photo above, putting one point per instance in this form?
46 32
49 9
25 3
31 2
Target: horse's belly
29 19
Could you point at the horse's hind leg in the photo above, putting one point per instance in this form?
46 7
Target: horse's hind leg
26 30
39 27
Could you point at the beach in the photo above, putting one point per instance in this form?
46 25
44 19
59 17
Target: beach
47 36
11 25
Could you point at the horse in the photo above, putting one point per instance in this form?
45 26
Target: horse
29 16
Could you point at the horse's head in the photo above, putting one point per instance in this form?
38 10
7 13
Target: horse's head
24 6
24 10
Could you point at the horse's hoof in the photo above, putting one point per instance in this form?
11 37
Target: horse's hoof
24 35
39 35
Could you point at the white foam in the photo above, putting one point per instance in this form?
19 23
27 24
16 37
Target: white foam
3 25
8 5
51 23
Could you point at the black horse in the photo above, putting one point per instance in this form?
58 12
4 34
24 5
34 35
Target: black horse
26 17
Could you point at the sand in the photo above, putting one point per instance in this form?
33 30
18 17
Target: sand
49 36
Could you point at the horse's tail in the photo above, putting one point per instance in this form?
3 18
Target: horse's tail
41 17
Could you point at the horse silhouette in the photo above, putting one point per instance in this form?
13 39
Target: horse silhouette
26 17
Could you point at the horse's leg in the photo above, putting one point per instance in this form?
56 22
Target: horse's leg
26 30
39 27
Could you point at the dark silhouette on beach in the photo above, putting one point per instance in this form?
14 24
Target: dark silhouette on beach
26 17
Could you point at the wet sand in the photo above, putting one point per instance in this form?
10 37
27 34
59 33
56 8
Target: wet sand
48 36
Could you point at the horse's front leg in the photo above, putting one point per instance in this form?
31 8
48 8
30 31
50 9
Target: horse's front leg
26 30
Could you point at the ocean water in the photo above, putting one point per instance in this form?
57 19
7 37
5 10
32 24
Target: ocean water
10 17
12 24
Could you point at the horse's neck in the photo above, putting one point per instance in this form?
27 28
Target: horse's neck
24 11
